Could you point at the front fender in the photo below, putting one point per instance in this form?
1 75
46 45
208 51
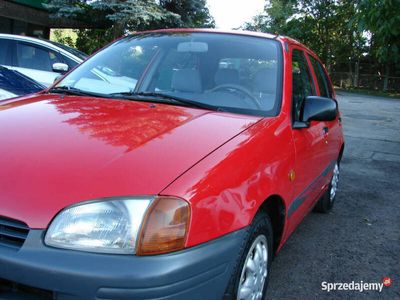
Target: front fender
226 188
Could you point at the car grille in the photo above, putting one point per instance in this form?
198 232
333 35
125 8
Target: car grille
13 233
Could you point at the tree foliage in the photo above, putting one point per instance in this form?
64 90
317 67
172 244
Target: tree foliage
324 25
382 20
193 13
339 31
60 37
109 19
91 40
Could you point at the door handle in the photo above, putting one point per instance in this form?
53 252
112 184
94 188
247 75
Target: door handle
325 130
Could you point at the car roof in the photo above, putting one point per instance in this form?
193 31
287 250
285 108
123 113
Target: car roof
212 30
281 38
209 30
41 42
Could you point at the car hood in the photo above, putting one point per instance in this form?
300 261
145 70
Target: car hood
59 150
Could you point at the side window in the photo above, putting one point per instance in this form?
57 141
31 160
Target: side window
323 82
301 82
5 52
35 57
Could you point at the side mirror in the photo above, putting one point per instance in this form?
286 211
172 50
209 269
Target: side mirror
60 67
319 109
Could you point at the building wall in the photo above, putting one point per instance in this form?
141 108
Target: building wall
24 18
31 18
12 26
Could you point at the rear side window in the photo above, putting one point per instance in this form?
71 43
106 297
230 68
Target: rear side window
35 57
302 85
323 82
5 52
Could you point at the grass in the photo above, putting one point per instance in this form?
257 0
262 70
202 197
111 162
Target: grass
392 95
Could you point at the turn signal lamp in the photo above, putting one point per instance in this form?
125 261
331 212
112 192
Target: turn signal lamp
165 227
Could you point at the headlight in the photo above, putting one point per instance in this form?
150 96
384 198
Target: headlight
108 226
145 226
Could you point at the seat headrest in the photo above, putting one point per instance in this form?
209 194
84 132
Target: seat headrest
265 80
226 76
186 80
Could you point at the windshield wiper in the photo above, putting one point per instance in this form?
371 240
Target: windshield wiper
65 89
134 96
184 101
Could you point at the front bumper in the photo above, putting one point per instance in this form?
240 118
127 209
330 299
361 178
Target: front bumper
200 272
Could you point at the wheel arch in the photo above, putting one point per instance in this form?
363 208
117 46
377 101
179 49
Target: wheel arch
275 207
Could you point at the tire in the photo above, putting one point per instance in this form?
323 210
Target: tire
325 204
256 251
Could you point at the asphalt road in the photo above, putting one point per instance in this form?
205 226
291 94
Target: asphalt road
360 239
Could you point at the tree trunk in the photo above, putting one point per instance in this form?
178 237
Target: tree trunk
327 62
356 72
351 78
118 30
386 78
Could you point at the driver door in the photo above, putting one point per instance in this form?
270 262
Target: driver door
312 157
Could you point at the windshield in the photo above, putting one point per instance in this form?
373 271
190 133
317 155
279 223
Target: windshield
230 72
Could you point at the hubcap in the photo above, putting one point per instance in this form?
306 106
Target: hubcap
254 272
334 182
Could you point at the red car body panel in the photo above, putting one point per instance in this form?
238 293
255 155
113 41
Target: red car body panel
225 196
58 151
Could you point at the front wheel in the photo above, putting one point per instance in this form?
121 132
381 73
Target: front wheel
326 202
250 278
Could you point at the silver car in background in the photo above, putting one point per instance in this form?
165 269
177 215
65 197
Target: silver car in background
39 59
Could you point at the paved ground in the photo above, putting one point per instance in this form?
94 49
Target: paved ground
360 239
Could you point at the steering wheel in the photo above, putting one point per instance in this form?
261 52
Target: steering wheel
237 88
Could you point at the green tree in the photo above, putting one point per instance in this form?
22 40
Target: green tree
193 13
274 18
322 25
90 40
117 15
382 20
107 20
337 29
60 37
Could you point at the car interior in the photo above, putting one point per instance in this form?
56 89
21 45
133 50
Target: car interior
241 80
35 58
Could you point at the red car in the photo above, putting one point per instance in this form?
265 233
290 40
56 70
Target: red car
172 164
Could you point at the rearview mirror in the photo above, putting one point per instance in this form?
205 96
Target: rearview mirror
60 67
319 109
192 47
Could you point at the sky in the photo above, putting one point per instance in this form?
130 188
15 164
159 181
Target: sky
229 14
